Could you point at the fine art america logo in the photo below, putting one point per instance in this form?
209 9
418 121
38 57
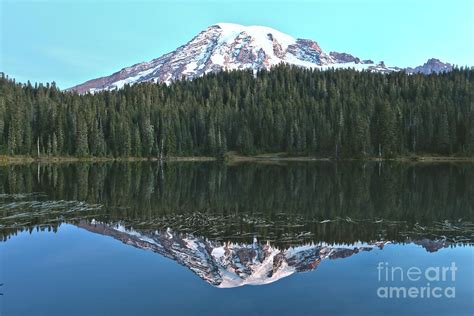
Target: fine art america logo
415 282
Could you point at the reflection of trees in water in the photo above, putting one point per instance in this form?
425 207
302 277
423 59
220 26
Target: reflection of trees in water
282 202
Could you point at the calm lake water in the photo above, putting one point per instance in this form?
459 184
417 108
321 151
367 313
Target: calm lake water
313 238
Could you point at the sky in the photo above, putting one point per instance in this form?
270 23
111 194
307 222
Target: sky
71 41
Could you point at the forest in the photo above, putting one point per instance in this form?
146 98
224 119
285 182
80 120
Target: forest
300 112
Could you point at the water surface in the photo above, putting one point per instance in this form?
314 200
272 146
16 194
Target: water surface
209 238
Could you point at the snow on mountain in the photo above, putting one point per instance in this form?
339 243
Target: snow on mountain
227 46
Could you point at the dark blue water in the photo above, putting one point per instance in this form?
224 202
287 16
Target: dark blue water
99 261
74 272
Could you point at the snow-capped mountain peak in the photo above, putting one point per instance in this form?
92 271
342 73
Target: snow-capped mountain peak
228 46
262 36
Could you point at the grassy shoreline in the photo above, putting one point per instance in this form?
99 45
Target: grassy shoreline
231 158
412 159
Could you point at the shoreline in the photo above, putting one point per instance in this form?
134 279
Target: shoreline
10 160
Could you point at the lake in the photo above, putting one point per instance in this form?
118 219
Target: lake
208 238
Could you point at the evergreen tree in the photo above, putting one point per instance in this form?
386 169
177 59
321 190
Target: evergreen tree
334 113
82 149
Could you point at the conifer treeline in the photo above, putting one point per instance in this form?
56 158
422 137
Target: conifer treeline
341 113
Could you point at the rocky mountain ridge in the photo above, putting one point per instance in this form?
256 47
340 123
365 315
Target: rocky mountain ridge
226 46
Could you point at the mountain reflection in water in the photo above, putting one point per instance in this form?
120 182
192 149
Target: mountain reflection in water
232 264
242 224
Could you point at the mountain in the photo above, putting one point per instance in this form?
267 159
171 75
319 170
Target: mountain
433 65
226 46
230 264
227 265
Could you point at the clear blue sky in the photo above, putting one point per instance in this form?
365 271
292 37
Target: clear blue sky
73 41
